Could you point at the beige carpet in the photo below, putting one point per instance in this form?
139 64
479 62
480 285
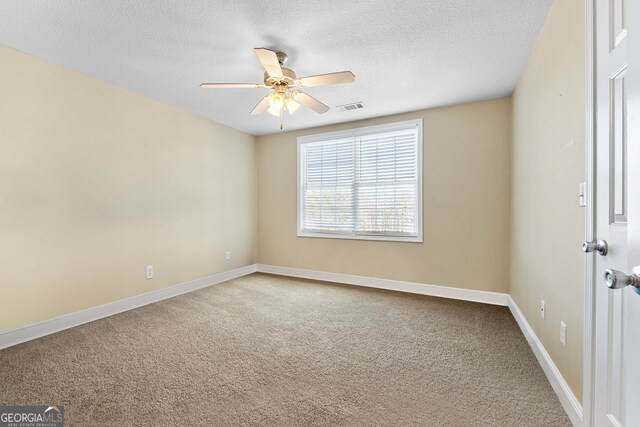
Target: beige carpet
267 350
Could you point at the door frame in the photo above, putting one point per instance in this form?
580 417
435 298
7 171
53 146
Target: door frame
590 281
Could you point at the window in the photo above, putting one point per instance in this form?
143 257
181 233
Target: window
362 183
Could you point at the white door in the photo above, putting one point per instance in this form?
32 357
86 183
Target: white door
632 337
617 311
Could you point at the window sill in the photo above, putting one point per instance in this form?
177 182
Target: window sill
370 237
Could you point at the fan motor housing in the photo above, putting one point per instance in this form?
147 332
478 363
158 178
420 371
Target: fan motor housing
288 78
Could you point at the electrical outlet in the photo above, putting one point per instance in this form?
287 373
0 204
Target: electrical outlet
149 272
543 309
563 333
227 255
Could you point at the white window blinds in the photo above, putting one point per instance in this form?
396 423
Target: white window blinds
363 183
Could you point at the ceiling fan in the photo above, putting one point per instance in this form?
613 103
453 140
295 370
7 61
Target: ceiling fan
283 81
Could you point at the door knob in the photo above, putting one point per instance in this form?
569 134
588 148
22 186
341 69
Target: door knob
617 279
600 246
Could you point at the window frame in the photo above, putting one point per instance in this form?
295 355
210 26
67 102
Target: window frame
352 133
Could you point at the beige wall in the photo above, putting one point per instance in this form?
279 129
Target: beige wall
97 182
466 205
547 224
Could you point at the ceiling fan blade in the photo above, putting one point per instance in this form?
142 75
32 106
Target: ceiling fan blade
231 85
262 105
311 102
326 79
269 61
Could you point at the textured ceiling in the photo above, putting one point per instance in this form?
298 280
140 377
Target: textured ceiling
407 55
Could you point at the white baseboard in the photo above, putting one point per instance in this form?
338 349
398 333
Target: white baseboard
560 386
571 405
26 333
485 297
37 330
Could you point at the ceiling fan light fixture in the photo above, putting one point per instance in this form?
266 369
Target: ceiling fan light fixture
292 105
283 81
274 111
277 101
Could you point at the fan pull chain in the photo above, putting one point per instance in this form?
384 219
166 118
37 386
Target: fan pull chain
281 111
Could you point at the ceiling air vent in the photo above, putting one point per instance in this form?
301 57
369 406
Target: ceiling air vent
352 106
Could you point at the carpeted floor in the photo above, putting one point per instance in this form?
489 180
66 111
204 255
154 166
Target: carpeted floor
268 350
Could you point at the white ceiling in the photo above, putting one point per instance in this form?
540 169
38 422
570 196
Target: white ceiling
406 54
